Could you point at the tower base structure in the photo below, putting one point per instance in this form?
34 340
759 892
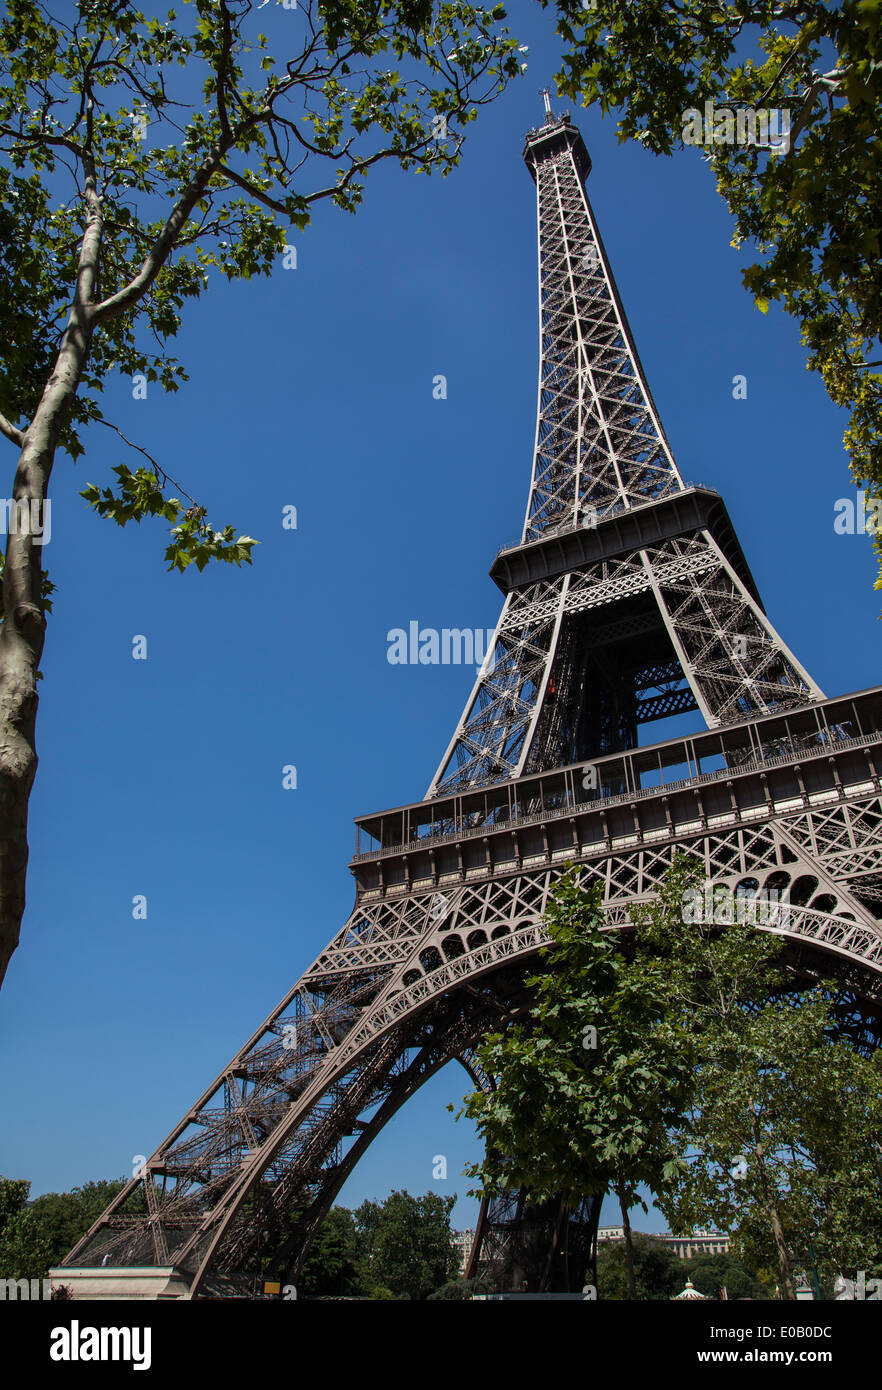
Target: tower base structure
544 1249
123 1284
448 921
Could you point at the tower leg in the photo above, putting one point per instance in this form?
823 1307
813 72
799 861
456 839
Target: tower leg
544 1248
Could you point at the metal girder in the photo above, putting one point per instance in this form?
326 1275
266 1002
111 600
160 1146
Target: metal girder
665 705
735 663
599 442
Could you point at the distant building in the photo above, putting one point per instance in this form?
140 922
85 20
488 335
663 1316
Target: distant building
684 1247
610 1233
463 1242
700 1243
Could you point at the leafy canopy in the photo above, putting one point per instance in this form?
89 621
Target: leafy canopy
588 1085
141 154
782 1139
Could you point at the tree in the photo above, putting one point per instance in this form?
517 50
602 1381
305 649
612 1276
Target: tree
65 1217
699 71
37 1235
804 1111
331 1265
405 1245
658 1274
781 1138
13 1199
719 1082
460 1289
711 1273
24 1248
136 157
588 1086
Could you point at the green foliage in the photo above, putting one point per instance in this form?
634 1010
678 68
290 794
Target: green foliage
813 210
804 1114
566 1114
717 1081
399 1248
141 156
710 975
331 1265
710 1273
36 1237
459 1289
65 1217
782 1140
657 1271
193 541
13 1197
24 1248
406 1248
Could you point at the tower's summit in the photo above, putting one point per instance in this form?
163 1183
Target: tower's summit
552 138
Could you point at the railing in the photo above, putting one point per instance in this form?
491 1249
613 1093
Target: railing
601 802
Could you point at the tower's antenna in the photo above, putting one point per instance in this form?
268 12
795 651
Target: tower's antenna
549 116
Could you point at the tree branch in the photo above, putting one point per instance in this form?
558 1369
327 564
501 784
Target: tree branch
160 471
780 73
223 58
830 80
162 247
253 192
16 436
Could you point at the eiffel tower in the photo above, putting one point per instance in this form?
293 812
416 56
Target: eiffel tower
627 599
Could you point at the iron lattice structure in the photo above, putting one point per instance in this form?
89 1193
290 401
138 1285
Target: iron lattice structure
628 599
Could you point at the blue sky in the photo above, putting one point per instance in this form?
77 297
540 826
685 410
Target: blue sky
164 777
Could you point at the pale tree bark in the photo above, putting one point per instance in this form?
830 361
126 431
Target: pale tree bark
23 629
24 625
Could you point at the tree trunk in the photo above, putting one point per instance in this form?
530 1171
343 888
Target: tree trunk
771 1206
629 1245
24 621
789 1291
21 641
